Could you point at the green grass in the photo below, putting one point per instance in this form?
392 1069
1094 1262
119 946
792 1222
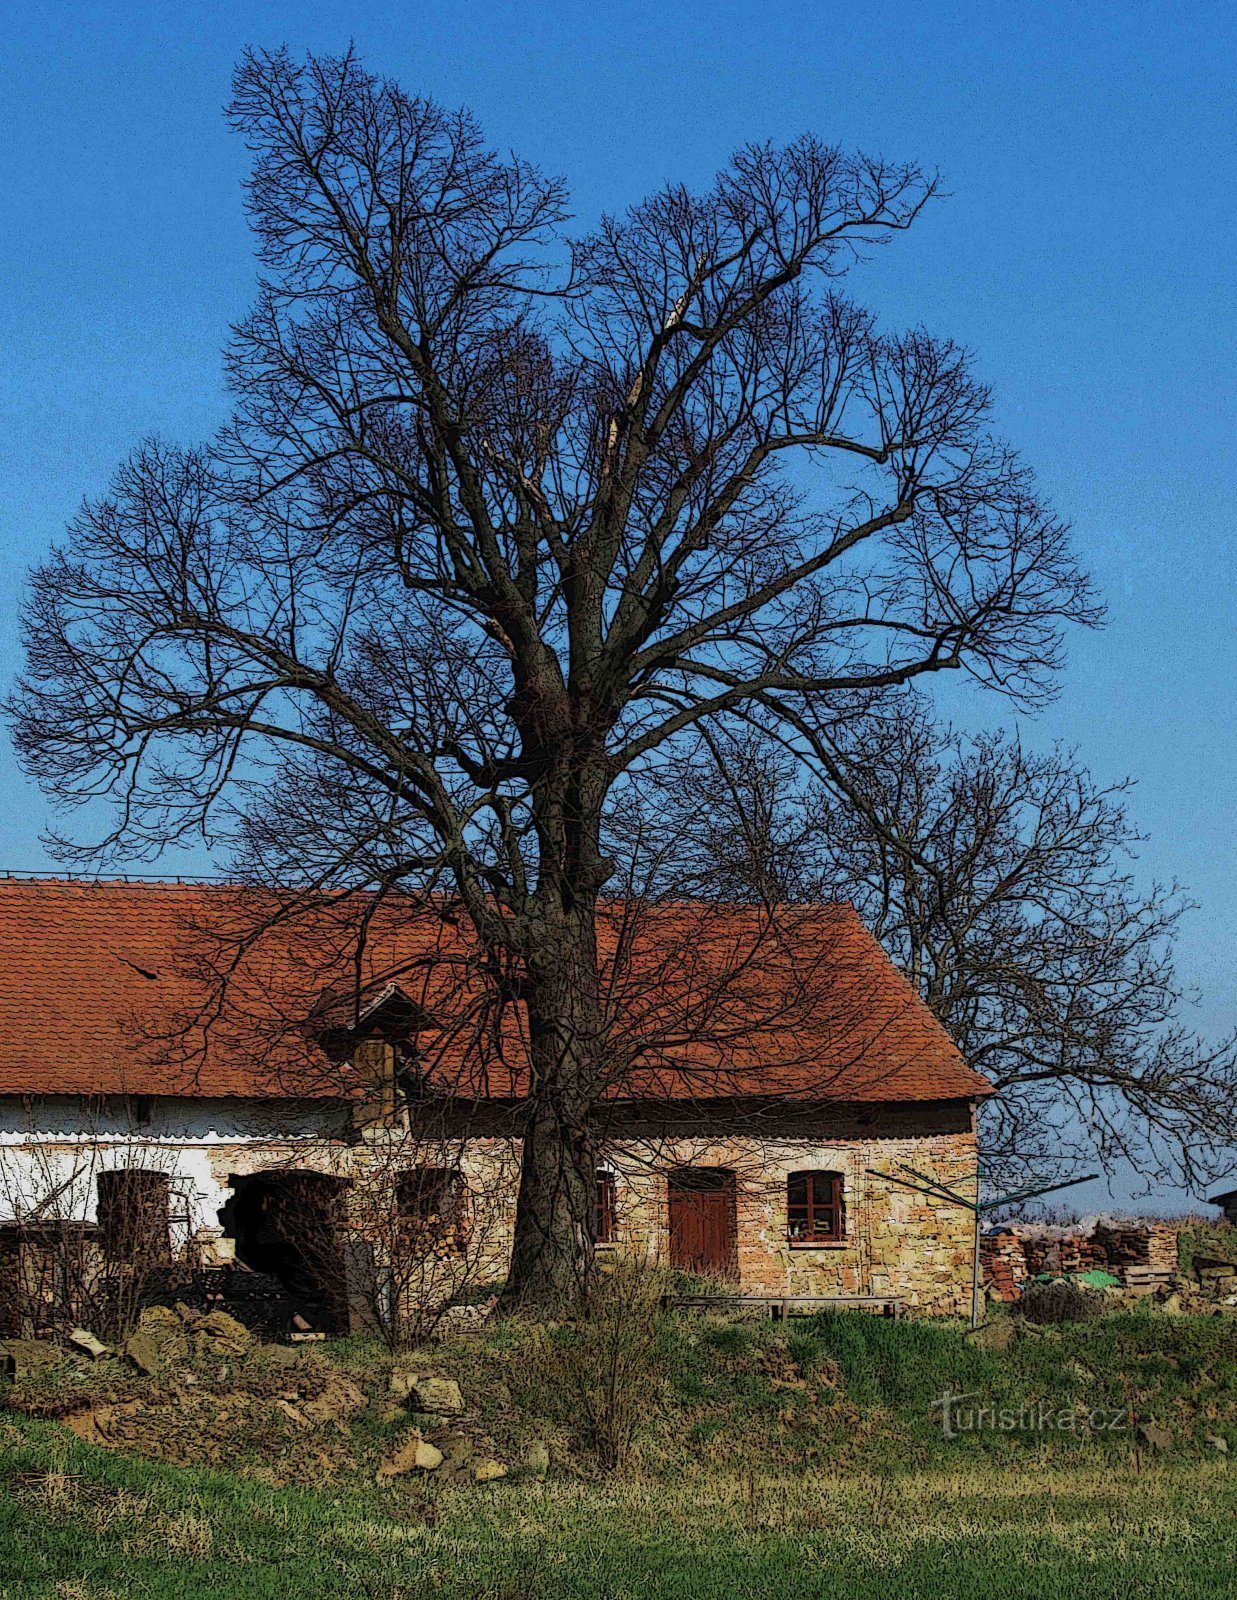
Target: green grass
78 1523
798 1462
1203 1236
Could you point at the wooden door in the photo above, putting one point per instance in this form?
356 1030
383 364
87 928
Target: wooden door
703 1229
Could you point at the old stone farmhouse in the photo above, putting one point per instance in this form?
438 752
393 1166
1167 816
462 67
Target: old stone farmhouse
755 1131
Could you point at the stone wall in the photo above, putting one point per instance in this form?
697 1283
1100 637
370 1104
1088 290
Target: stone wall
894 1241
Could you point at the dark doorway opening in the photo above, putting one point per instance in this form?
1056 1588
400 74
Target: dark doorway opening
288 1225
704 1228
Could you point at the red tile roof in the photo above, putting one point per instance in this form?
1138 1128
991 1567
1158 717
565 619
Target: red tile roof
113 988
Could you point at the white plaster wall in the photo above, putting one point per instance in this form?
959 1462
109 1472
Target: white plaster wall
52 1150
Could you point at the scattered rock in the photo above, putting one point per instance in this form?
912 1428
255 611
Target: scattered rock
537 1460
1218 1443
440 1397
218 1334
1157 1435
24 1358
415 1455
486 1471
282 1357
294 1414
156 1342
338 1403
106 1425
82 1339
455 1447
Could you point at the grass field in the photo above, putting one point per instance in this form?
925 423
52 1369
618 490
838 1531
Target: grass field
800 1463
78 1523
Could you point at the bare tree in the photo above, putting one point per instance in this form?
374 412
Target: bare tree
430 1224
1003 883
506 514
88 1232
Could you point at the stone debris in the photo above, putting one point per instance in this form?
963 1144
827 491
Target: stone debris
219 1334
83 1341
439 1397
25 1358
158 1342
457 1453
339 1402
414 1455
488 1470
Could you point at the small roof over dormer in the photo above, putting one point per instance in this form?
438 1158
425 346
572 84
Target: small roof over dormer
383 1008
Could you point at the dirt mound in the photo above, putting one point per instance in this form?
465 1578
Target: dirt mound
208 1397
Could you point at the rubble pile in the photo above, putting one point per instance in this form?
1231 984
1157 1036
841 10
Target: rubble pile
196 1388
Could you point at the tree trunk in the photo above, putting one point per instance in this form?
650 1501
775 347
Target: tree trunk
552 1258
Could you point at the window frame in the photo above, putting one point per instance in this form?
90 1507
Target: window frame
430 1206
605 1208
813 1207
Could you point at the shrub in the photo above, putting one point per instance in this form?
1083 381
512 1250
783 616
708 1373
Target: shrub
606 1372
1059 1301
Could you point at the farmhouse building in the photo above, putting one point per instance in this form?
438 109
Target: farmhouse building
779 1083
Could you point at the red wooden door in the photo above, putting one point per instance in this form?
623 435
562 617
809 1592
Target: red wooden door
703 1231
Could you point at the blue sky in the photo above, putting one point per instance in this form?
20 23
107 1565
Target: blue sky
1086 254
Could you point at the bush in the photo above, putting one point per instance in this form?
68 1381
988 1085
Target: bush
1059 1301
606 1373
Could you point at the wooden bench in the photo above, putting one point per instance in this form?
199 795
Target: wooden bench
781 1306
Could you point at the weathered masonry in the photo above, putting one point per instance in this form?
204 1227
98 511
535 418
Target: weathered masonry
317 1129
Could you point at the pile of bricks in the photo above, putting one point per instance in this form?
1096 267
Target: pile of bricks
1004 1264
1143 1255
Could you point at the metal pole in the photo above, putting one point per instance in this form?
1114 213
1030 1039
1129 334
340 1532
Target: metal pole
921 1184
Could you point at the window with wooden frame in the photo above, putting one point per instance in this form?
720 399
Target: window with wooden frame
134 1213
430 1204
607 1211
814 1208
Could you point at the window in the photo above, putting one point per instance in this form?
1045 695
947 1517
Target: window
814 1207
607 1219
141 1109
430 1200
134 1216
